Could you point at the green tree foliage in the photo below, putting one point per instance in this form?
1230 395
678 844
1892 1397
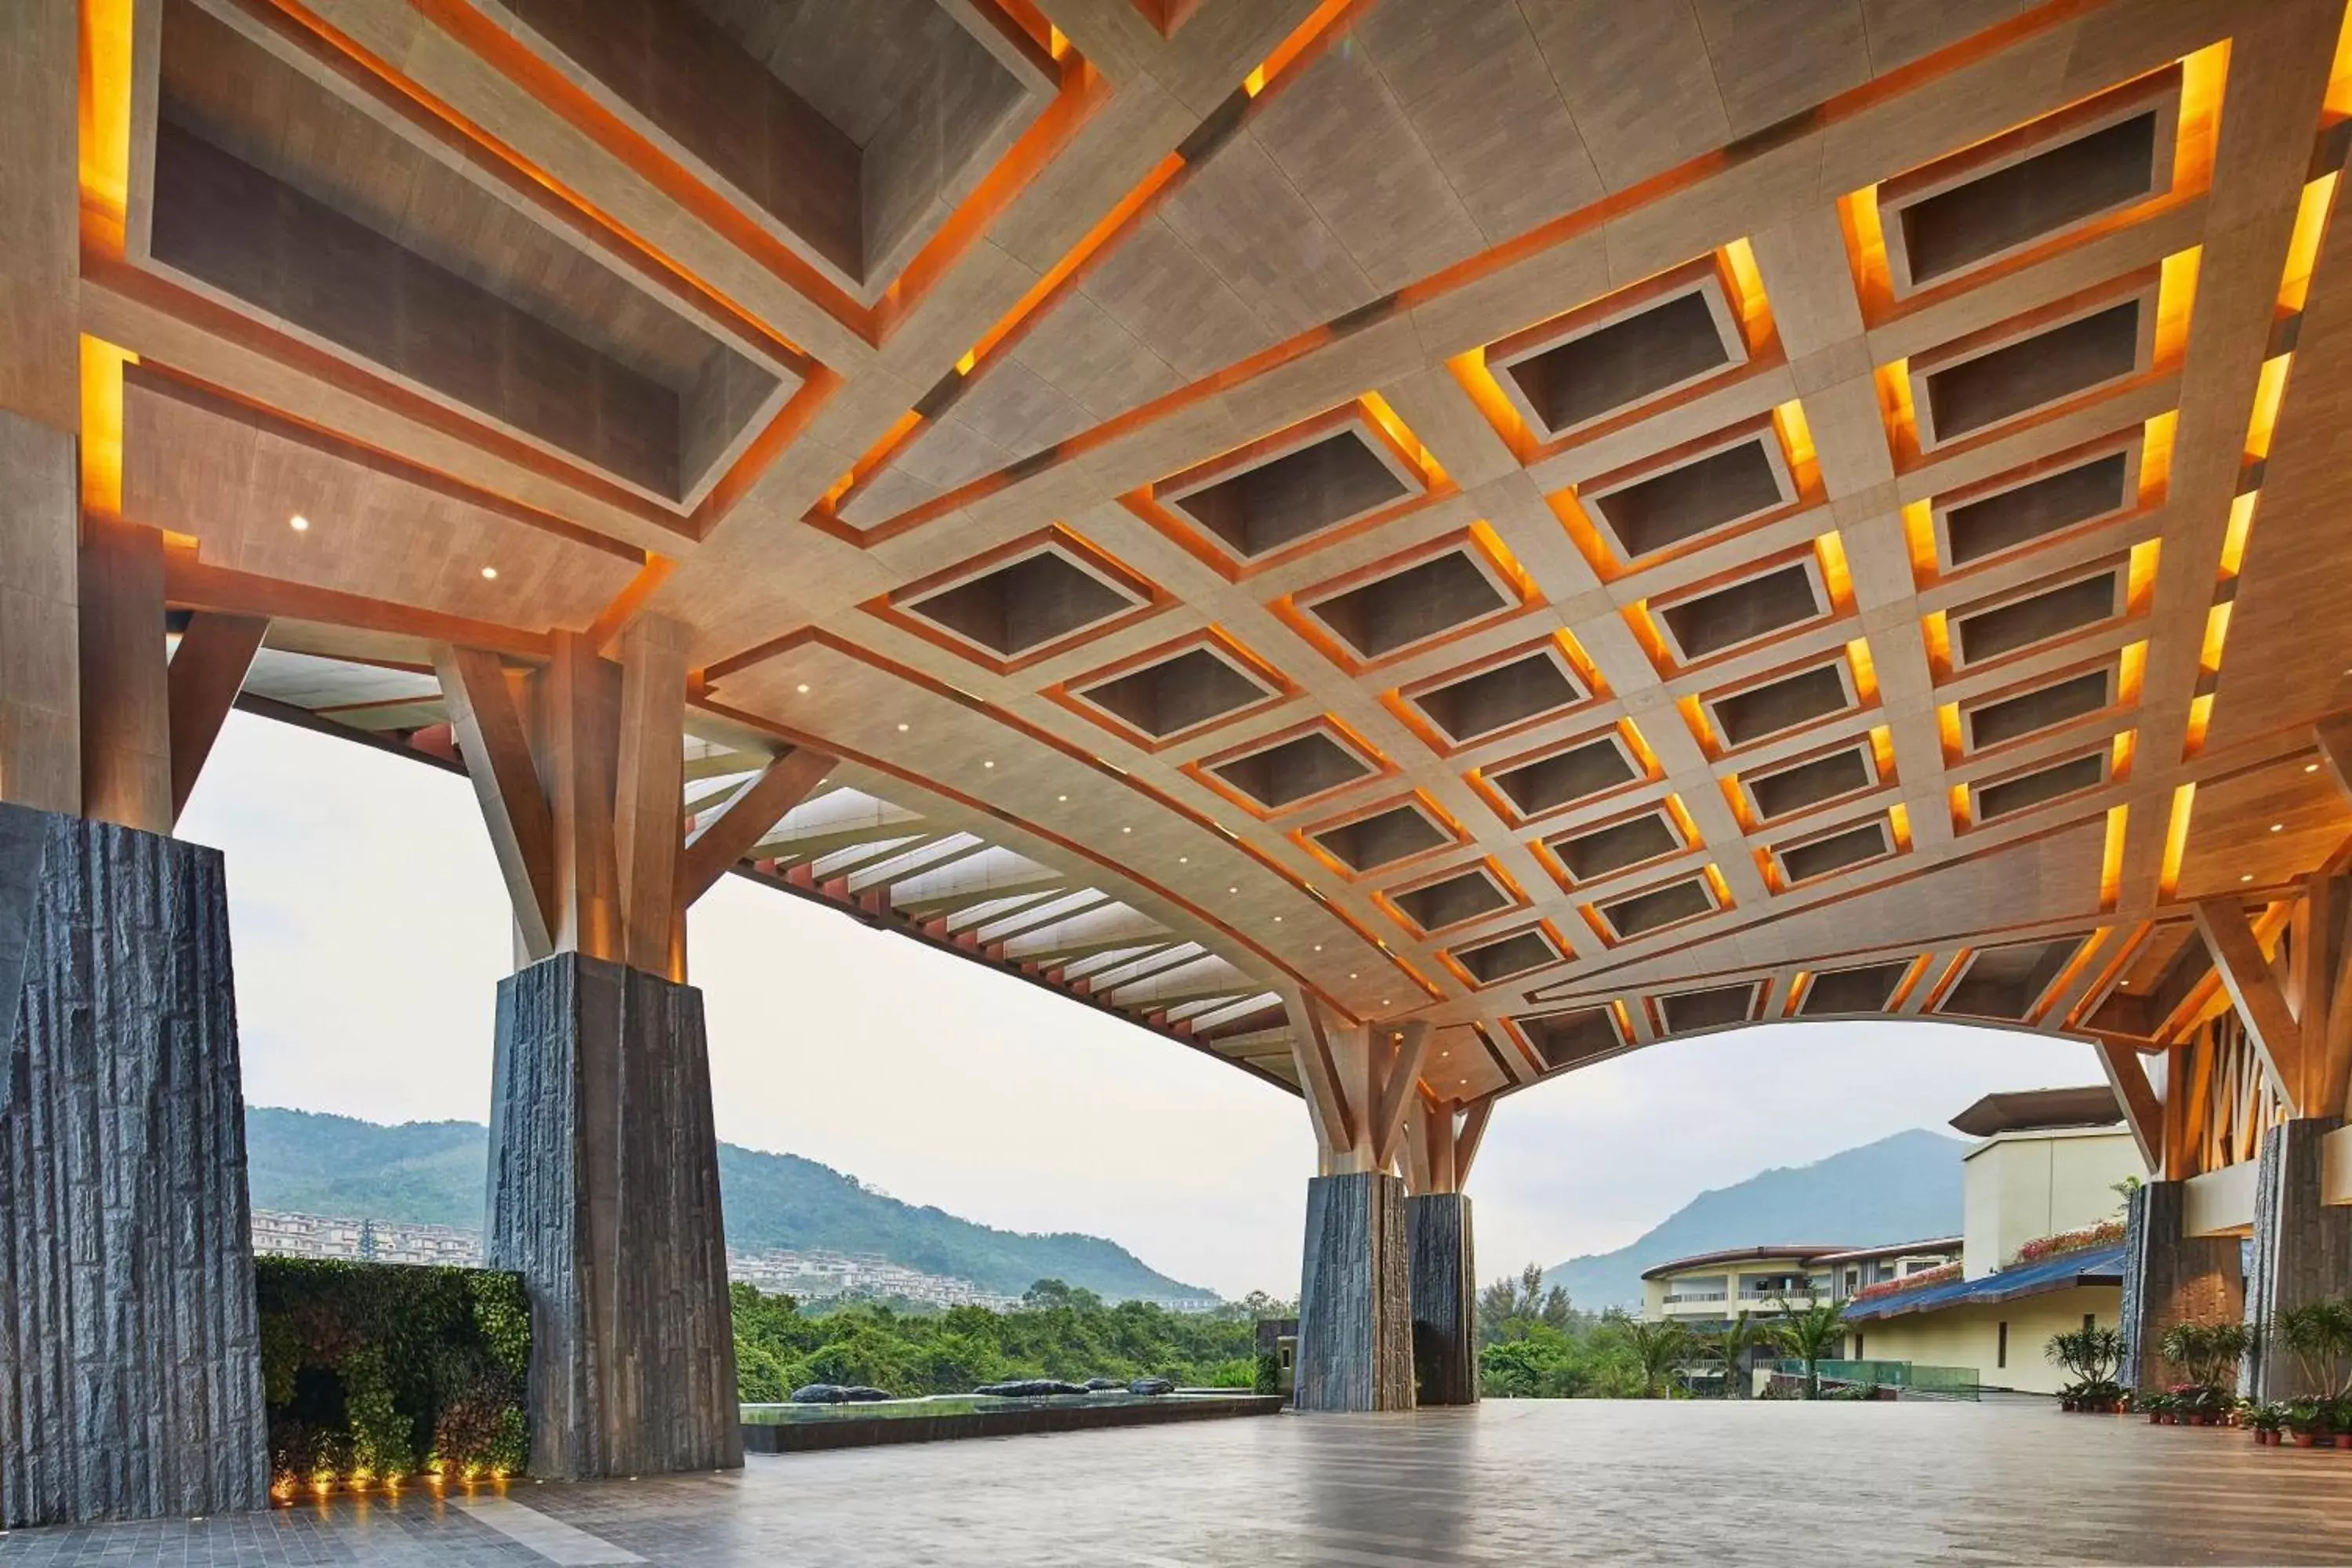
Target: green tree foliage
1058 1331
1537 1345
1728 1343
1814 1335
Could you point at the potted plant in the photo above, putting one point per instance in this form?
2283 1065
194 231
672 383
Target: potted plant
2305 1419
2157 1406
2093 1355
2264 1421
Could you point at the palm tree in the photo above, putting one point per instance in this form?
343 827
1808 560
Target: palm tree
1810 1336
1731 1343
1659 1347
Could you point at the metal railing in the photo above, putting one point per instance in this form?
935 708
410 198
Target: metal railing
1692 1296
1910 1379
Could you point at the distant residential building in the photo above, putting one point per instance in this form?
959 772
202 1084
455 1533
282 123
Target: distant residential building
1871 1268
1707 1289
381 1241
2041 1248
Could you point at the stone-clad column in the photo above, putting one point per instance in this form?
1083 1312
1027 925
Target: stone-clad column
2302 1251
605 1195
1355 1313
2169 1277
130 1370
1444 1288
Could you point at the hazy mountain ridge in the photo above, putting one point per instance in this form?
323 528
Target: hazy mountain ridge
1902 1188
431 1172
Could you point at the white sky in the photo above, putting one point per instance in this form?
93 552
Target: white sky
371 934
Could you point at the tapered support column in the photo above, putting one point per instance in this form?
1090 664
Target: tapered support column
130 1368
2302 1251
605 1196
1355 1313
1444 1290
2170 1278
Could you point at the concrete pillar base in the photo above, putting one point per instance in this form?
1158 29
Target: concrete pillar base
2169 1277
1355 1310
2302 1251
129 1365
1444 1289
605 1196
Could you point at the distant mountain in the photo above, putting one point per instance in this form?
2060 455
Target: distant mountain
1904 1188
431 1172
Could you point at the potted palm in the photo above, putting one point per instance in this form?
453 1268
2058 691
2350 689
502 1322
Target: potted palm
2320 1336
2092 1354
2208 1353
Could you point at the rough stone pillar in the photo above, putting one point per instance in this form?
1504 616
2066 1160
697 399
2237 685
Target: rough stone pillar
2169 1277
130 1366
1444 1290
605 1196
2302 1251
1355 1310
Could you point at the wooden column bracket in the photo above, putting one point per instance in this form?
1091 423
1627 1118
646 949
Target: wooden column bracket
2128 1076
649 783
1467 1137
2253 989
207 671
1318 1079
492 737
746 819
1400 1081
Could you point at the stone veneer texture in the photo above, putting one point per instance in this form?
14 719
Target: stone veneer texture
605 1196
130 1370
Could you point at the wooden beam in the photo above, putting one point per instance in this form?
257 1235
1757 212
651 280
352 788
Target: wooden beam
576 702
196 584
126 705
2254 991
1398 1088
2334 737
2128 1076
1421 1119
649 778
1466 1141
2318 934
491 738
207 671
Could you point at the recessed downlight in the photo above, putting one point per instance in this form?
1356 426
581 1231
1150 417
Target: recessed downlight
298 523
489 574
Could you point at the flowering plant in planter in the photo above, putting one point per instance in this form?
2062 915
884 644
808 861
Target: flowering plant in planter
2106 1233
2157 1407
2265 1421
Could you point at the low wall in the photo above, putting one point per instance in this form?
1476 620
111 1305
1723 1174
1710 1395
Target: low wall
857 1432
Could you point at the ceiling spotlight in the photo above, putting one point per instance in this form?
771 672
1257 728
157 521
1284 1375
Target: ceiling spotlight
1353 975
1127 830
988 764
2247 877
2311 767
1233 891
1063 798
802 689
2278 827
1181 859
1319 947
298 523
489 574
902 729
1277 919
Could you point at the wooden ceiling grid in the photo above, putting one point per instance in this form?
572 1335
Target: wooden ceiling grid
1510 516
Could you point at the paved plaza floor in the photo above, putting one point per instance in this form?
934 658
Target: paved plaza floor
1537 1482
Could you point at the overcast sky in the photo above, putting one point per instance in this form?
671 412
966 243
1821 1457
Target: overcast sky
370 933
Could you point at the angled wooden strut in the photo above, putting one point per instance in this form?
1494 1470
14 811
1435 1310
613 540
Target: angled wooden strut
1441 1140
747 817
488 726
207 671
2128 1076
1399 1084
2253 988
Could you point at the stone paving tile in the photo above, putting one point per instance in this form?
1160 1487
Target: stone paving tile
1584 1481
